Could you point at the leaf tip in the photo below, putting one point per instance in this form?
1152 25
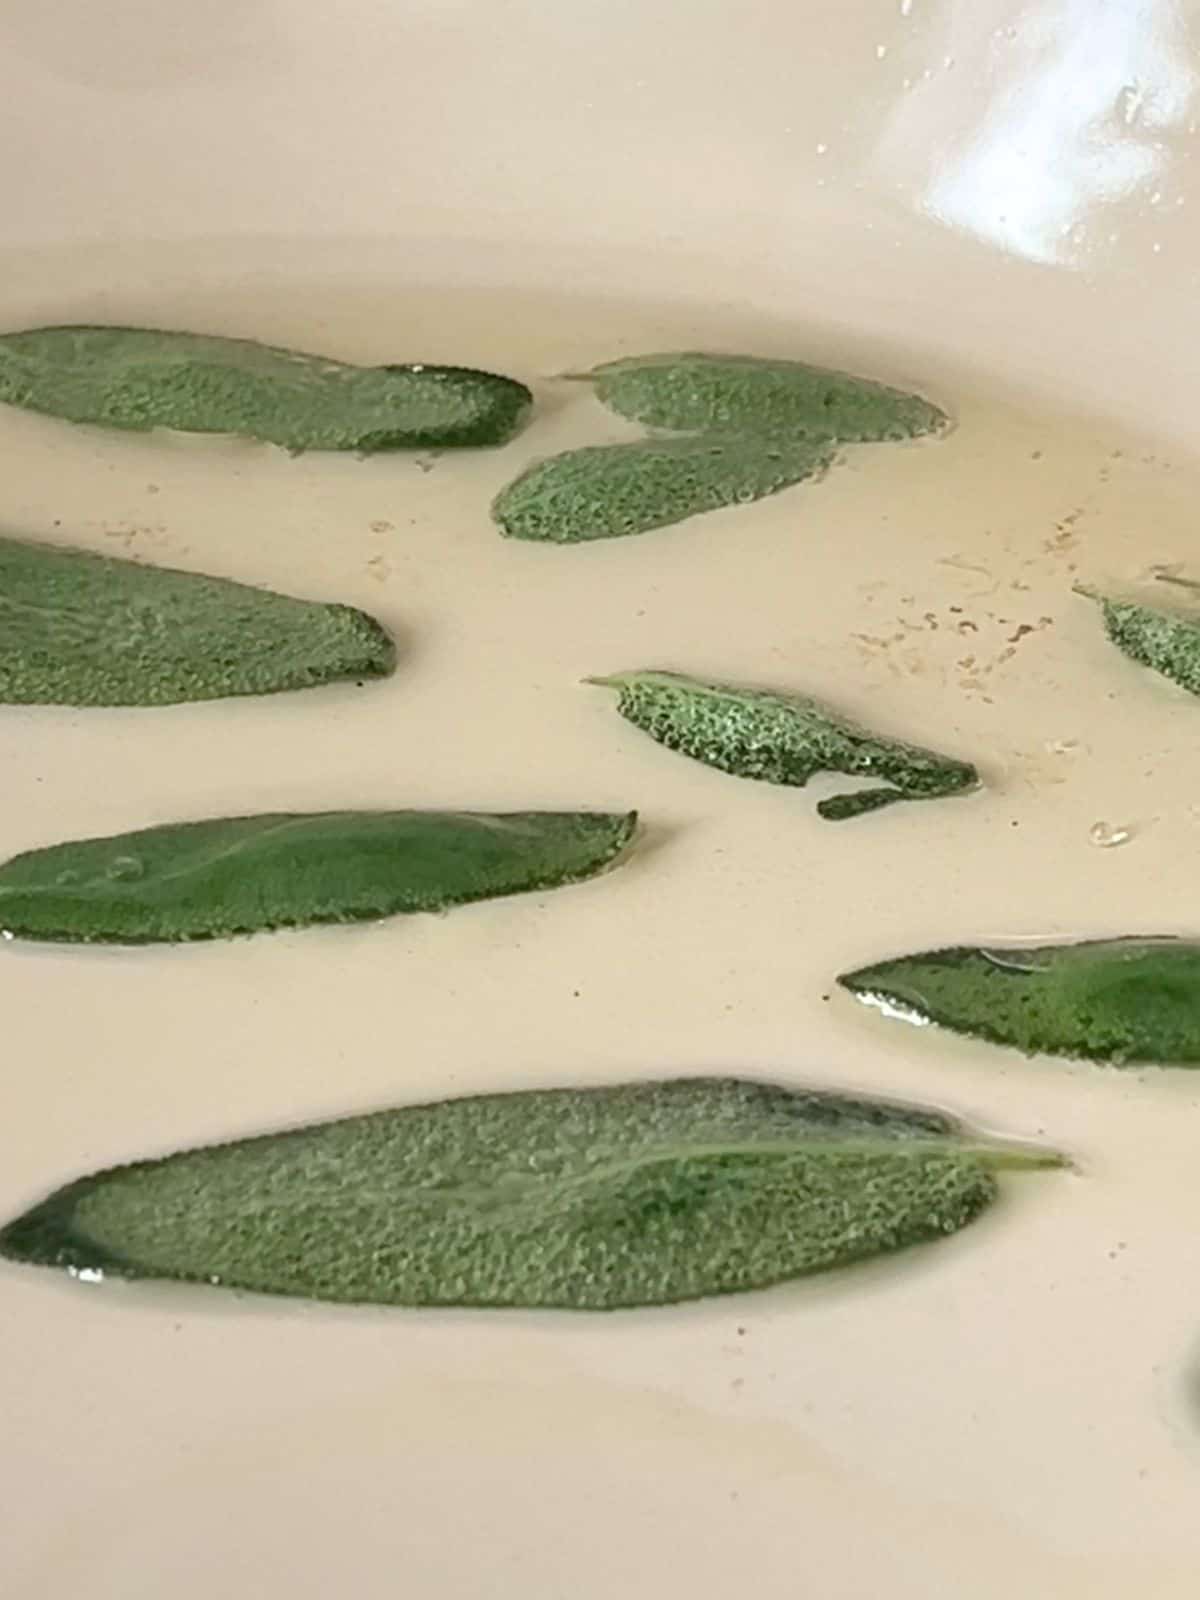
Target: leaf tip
876 986
377 653
860 981
841 807
41 1236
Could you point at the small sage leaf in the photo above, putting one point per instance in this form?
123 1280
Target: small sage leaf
211 880
756 396
782 738
144 378
1113 1000
588 1199
1165 641
84 630
607 491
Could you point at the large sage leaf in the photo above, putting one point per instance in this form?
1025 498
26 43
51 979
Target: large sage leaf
1116 1000
583 1198
210 880
608 491
756 396
144 378
84 630
782 738
1166 641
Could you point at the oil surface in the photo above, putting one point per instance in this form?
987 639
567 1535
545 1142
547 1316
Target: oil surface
1006 1414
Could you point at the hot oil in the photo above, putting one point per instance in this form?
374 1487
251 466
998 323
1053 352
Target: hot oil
1014 1395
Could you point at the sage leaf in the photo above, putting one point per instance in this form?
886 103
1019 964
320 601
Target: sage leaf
607 491
234 875
1168 642
85 630
588 1199
781 738
1111 1000
755 396
143 378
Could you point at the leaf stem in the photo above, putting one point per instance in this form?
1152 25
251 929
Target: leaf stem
1015 1157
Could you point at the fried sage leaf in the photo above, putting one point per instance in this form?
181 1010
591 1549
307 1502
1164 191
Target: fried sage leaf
84 630
211 880
144 378
1166 641
606 491
782 738
588 1199
756 396
1116 1000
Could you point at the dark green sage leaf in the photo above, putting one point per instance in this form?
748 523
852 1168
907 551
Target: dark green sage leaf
84 630
1166 641
1116 1000
782 738
756 396
211 880
606 491
143 378
588 1199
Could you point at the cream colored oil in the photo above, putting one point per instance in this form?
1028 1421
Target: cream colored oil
1009 1412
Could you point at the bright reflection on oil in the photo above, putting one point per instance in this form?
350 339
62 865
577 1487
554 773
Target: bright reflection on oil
1082 93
